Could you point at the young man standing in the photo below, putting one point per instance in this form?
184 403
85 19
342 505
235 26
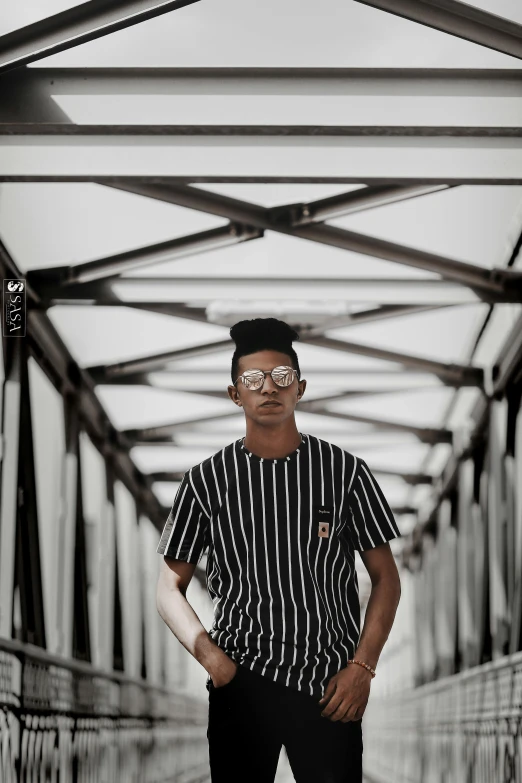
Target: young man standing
282 514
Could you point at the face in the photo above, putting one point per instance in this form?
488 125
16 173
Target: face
271 404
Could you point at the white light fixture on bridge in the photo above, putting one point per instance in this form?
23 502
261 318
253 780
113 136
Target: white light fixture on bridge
302 313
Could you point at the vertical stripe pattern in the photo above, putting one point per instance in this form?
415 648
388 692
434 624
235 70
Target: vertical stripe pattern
285 595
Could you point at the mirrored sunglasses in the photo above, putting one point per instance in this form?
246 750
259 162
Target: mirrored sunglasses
254 379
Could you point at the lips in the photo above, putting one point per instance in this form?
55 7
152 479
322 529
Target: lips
270 405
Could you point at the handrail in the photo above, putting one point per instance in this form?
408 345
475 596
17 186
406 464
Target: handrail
27 650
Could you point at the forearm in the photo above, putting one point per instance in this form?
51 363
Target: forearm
378 620
178 614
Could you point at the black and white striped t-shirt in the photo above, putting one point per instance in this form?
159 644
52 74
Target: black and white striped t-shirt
281 536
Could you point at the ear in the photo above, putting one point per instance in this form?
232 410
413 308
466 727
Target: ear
301 389
234 395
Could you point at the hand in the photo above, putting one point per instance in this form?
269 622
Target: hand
346 694
224 672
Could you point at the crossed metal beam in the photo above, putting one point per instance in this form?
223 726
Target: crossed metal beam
237 231
164 432
289 219
142 379
490 285
315 405
459 19
284 218
345 395
304 221
179 310
113 266
450 374
93 19
456 375
77 25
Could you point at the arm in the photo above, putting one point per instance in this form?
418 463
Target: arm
348 691
178 614
382 604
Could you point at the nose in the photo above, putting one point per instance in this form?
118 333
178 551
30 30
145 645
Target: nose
268 385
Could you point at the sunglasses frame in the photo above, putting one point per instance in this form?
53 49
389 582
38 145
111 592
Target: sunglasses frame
269 372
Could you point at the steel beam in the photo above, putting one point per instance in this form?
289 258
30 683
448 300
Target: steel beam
66 543
356 158
351 394
452 177
143 379
489 284
172 309
357 201
9 497
232 81
459 19
312 375
424 434
149 363
199 199
450 374
76 26
173 249
164 432
183 289
58 364
214 132
339 371
509 360
178 310
370 315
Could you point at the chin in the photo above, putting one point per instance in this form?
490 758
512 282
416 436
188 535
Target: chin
264 415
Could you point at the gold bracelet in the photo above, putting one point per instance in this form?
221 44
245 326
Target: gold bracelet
362 663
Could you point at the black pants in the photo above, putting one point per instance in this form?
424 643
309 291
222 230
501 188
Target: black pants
252 717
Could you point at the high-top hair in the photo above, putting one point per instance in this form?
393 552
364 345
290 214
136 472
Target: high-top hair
263 334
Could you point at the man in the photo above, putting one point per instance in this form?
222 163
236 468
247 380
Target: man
281 514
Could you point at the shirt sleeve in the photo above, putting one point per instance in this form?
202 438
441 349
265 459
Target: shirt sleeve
185 532
372 520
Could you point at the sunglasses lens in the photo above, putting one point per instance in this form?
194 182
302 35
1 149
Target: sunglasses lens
253 380
283 376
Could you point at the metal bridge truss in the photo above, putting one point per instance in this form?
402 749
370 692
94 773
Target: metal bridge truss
87 679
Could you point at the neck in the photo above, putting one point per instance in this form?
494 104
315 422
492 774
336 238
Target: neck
272 442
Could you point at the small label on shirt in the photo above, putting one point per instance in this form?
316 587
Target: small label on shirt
323 516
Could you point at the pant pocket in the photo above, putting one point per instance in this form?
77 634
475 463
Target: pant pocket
226 686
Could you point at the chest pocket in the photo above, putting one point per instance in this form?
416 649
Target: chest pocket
323 521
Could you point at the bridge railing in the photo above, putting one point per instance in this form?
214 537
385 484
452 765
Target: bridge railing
466 728
65 720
